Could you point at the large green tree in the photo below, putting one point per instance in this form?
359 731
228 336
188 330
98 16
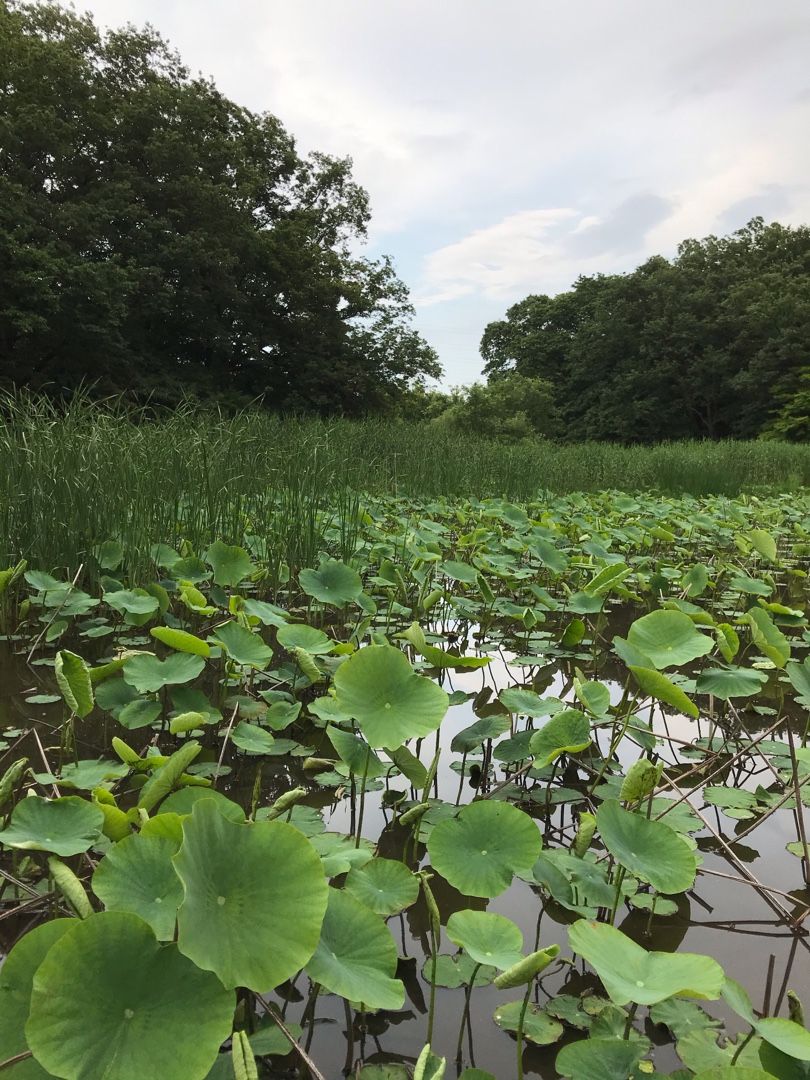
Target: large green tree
158 239
713 343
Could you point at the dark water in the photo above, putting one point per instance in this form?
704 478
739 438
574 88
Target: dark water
728 920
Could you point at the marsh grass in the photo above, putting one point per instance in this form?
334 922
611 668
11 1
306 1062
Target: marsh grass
75 475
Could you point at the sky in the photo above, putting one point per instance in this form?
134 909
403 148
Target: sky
509 146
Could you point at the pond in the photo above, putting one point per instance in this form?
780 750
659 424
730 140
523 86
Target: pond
555 617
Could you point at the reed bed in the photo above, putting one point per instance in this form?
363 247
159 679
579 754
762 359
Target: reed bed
79 473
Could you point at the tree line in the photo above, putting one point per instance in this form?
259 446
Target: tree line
159 240
714 343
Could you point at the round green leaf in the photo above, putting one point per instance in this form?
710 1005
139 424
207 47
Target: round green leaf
538 1027
489 727
254 898
66 826
332 583
731 682
356 956
16 983
252 739
133 1008
300 636
527 703
487 937
385 886
137 875
786 1035
378 688
566 733
481 849
631 973
650 850
668 638
183 802
599 1059
148 674
243 646
655 684
457 970
127 601
734 1072
230 564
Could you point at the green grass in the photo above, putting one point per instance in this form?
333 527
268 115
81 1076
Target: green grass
73 477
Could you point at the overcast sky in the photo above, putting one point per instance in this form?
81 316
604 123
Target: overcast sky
510 145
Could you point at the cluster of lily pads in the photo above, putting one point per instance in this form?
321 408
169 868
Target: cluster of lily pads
177 888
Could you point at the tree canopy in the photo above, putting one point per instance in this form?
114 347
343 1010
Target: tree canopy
714 343
158 239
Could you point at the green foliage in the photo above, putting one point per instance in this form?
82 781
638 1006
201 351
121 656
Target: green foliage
707 345
512 408
196 251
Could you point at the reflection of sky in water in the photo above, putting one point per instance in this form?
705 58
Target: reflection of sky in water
726 920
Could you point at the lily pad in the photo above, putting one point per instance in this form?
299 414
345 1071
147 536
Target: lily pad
243 646
568 732
332 583
137 875
538 1027
486 937
650 850
668 638
148 674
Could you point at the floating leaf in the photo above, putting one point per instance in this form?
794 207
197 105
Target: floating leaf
481 849
538 1027
133 1009
731 682
599 1059
254 898
252 739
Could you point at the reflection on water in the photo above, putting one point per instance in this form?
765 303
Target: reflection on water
728 920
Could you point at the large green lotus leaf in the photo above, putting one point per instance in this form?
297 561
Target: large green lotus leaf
731 682
356 956
668 638
599 1059
110 1001
148 674
631 973
459 571
527 703
300 636
767 636
457 970
650 850
481 849
734 1072
378 687
786 1035
252 739
87 774
538 1027
243 646
339 854
127 601
487 937
137 875
764 543
655 684
254 898
16 983
185 799
66 826
489 727
566 733
357 754
139 713
386 886
230 564
332 583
